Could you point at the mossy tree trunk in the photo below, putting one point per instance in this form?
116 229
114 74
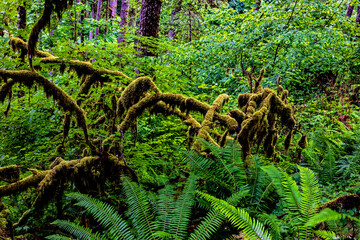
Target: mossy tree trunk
149 22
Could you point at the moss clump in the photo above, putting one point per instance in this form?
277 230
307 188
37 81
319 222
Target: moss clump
261 110
136 90
4 213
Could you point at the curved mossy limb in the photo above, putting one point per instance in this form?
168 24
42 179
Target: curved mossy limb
209 121
131 95
66 102
88 173
49 7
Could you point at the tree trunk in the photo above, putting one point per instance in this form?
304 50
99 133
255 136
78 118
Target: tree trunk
113 7
173 14
133 12
98 14
257 5
91 35
149 22
124 19
82 17
22 17
358 15
349 10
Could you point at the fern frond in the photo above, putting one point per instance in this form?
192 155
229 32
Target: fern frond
57 237
164 235
105 214
310 193
165 207
208 226
238 217
181 216
214 219
273 222
326 234
205 167
139 209
75 230
291 194
276 177
230 158
327 214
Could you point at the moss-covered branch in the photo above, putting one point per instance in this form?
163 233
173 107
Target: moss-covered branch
66 102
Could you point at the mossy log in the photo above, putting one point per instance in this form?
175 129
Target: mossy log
346 202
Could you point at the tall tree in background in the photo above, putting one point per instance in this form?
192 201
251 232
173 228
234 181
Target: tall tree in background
349 10
177 9
113 7
149 22
124 19
98 15
22 17
91 35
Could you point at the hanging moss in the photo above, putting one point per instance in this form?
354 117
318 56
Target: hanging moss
287 141
4 213
303 142
49 7
64 100
263 109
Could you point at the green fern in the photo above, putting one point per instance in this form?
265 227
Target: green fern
214 219
182 209
226 169
139 209
105 214
238 217
302 206
75 230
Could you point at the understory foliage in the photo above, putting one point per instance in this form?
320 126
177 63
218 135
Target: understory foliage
197 142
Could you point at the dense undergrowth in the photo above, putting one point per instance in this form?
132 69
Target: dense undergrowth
179 154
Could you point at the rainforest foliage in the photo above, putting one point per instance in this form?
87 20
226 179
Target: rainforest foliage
179 119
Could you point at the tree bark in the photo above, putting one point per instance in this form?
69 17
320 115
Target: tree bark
257 5
113 7
82 17
124 19
349 10
358 15
22 17
91 35
173 14
149 22
98 14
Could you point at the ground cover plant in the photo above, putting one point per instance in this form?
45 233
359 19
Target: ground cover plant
179 119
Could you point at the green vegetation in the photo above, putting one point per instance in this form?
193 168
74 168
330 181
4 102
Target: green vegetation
215 120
